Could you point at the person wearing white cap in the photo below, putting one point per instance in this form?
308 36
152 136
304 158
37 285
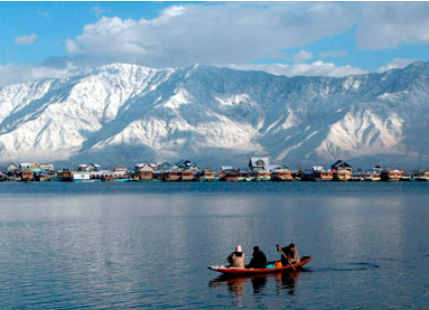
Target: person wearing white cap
236 258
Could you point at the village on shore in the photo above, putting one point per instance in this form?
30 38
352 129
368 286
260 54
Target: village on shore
259 169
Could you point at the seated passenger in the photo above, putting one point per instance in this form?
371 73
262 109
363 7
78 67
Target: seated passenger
259 260
236 259
289 254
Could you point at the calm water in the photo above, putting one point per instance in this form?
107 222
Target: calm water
148 245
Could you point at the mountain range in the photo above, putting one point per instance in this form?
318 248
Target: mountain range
125 114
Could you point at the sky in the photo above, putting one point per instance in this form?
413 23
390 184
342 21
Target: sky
53 39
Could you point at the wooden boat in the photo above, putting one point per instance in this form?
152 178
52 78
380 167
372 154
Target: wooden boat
251 271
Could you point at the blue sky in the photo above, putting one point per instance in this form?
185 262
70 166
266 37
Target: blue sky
289 38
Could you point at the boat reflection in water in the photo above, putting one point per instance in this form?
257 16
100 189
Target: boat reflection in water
284 281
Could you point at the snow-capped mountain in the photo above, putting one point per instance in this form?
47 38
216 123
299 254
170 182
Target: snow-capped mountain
125 114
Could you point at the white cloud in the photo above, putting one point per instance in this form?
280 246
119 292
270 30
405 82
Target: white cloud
26 39
98 10
317 68
302 56
43 14
390 24
396 63
210 34
333 54
10 74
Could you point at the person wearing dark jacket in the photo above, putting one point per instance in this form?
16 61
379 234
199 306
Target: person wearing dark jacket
259 260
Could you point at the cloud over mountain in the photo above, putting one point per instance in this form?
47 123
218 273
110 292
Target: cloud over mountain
210 34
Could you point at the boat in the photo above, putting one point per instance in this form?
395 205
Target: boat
252 271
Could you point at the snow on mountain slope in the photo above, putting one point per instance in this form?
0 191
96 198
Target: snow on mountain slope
127 113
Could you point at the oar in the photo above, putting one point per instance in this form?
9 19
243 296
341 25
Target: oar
283 253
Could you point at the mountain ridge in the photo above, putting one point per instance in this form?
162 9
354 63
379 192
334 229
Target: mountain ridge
124 113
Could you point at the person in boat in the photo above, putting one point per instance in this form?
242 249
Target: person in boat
236 258
259 260
289 254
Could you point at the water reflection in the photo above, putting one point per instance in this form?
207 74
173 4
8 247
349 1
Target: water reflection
284 281
287 281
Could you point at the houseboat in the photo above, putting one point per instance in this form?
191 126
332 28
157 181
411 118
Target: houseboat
42 177
258 163
342 175
144 172
27 176
65 175
207 176
229 175
159 176
145 175
119 174
281 174
406 177
187 175
391 175
342 171
320 173
358 175
372 175
422 176
245 176
81 176
172 175
262 175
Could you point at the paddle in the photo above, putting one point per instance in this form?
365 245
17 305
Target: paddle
283 253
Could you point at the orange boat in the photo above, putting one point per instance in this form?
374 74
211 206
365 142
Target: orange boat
251 271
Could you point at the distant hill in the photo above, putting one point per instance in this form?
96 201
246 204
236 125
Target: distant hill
126 114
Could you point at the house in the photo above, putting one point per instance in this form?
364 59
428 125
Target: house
89 167
163 166
172 175
422 175
207 175
229 175
12 169
144 171
65 175
281 174
35 168
326 174
27 175
373 175
341 165
146 166
186 165
258 163
47 167
81 175
262 175
187 175
391 175
342 171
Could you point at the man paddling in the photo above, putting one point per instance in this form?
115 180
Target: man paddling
289 254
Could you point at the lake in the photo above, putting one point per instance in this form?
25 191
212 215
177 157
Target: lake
148 245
